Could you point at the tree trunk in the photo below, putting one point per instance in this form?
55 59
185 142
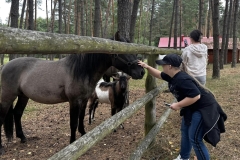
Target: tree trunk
65 16
53 17
96 31
228 31
35 22
14 19
209 18
146 22
151 23
200 16
180 24
234 53
140 21
171 25
82 18
124 15
77 17
221 56
60 16
26 16
133 20
113 23
106 19
216 69
86 15
47 14
90 25
176 24
69 16
30 19
23 10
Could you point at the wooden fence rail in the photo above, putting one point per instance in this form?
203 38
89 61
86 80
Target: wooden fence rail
19 41
143 146
81 145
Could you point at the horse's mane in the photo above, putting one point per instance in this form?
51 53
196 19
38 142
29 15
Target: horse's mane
85 65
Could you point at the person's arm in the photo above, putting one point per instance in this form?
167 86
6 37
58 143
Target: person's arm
185 102
153 71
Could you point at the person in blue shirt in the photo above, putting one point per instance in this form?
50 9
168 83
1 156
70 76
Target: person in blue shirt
203 117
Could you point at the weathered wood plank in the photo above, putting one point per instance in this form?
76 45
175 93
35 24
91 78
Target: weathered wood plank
18 41
80 146
143 146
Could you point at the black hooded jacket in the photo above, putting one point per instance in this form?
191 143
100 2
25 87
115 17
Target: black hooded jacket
183 85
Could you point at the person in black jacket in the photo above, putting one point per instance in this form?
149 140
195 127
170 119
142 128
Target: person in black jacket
203 117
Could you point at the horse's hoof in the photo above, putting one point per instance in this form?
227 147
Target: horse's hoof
114 130
23 140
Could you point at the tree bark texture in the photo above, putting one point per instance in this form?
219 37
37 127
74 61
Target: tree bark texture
124 15
14 19
171 25
234 53
133 19
228 30
59 16
23 10
151 23
176 24
97 26
30 18
221 56
216 69
13 40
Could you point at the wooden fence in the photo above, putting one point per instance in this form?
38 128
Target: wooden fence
81 145
17 41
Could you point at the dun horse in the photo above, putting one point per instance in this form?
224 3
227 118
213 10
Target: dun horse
71 79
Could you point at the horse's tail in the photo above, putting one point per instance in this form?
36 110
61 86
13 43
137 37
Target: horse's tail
8 123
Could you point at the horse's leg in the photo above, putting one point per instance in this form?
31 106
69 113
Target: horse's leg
94 109
113 111
74 112
6 118
18 112
81 117
118 110
90 111
3 113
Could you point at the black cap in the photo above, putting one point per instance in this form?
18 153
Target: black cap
170 59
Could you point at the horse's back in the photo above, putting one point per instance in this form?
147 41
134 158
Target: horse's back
40 80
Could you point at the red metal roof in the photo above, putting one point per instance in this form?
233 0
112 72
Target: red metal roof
163 42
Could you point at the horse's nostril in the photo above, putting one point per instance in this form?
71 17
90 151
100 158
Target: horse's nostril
143 72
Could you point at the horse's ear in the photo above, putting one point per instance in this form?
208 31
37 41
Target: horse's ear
117 36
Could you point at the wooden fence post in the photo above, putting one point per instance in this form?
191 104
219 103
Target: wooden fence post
150 107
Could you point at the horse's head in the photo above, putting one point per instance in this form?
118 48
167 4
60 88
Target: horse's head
127 62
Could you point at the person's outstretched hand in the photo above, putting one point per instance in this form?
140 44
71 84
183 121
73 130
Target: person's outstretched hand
144 65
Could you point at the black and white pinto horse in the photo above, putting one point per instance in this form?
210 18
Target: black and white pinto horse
71 79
